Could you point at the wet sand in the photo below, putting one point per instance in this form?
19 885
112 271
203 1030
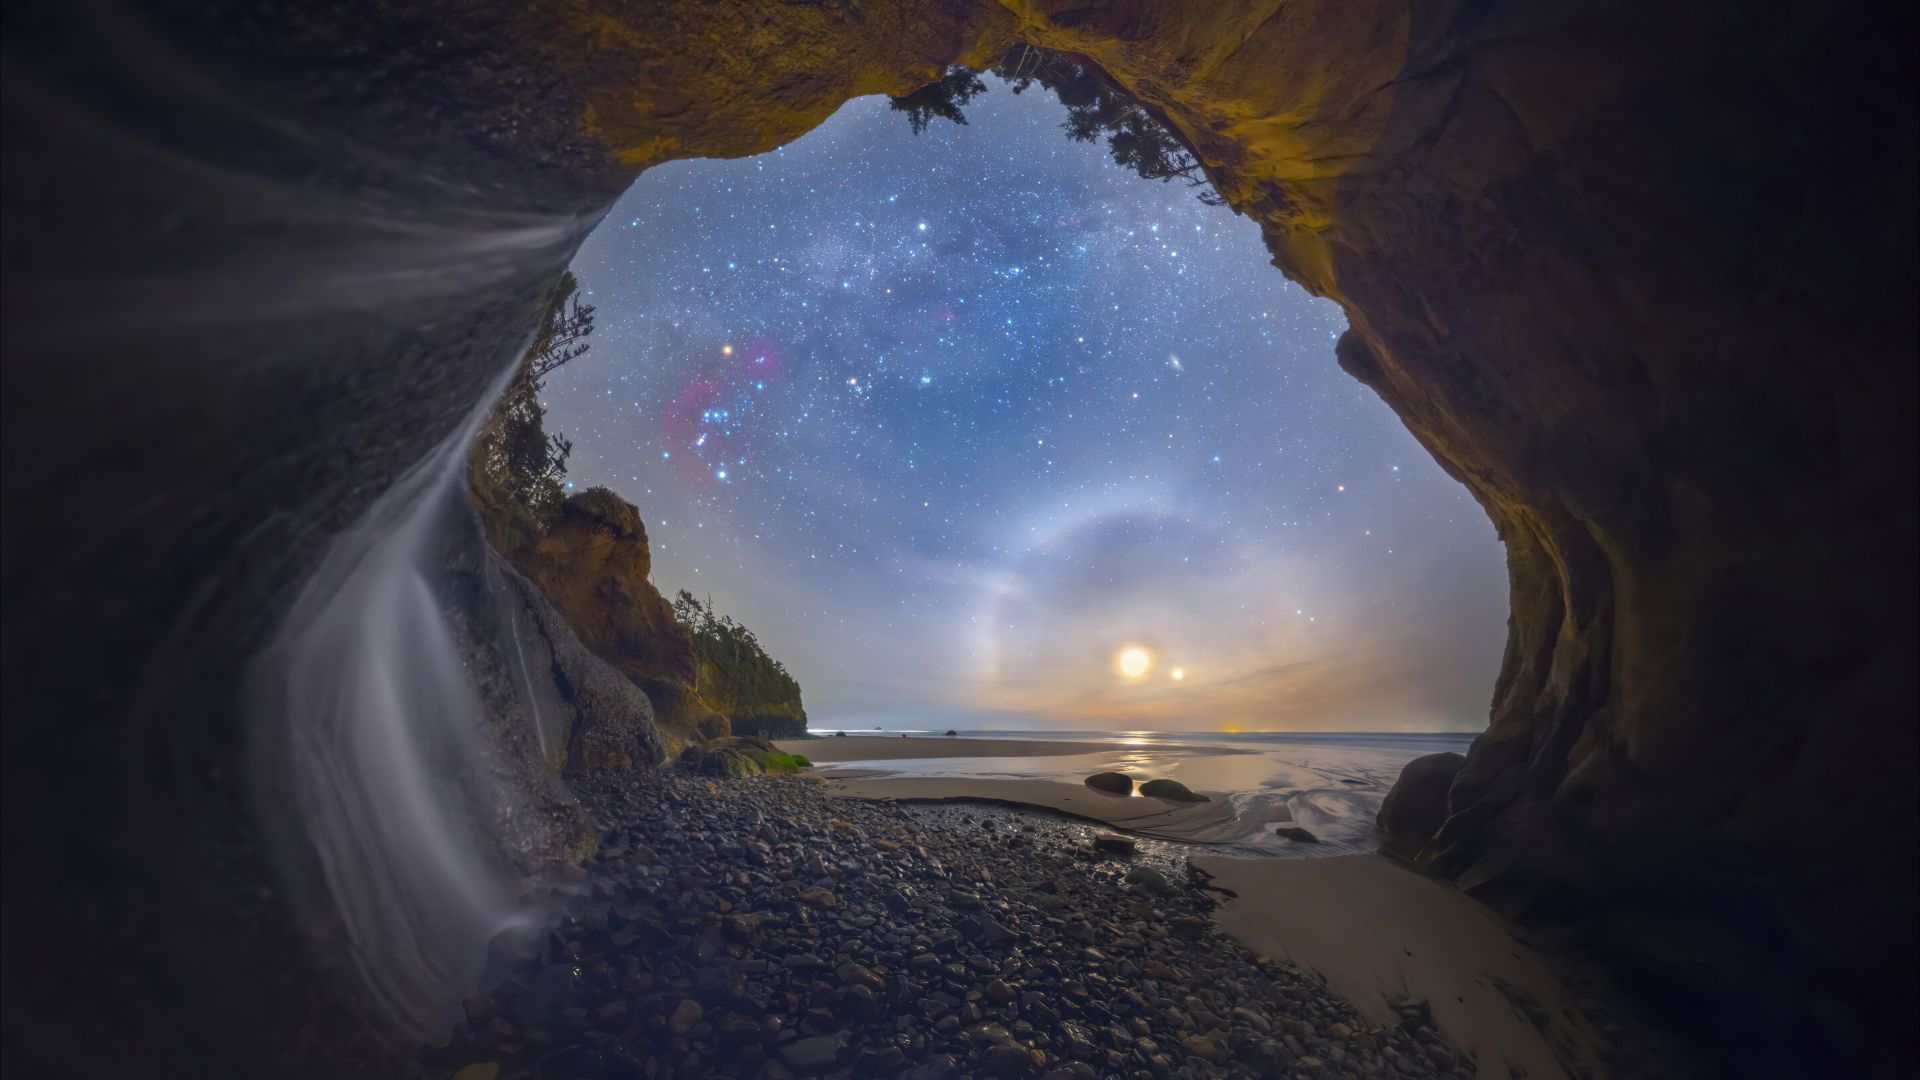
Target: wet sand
1380 935
1329 784
1378 932
1212 822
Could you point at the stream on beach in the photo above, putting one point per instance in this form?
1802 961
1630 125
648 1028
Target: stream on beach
1329 783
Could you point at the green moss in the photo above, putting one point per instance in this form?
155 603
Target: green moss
775 762
737 758
732 766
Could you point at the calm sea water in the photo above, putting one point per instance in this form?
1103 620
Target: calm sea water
1330 783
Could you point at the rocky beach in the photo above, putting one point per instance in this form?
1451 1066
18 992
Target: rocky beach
763 927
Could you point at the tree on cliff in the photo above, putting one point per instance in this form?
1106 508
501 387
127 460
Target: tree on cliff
736 676
944 98
517 471
1136 138
563 333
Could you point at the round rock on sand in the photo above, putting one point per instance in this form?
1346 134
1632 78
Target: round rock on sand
1417 804
1113 783
1172 791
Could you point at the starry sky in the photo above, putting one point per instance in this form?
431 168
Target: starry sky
953 421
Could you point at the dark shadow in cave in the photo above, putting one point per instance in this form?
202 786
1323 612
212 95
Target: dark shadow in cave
213 217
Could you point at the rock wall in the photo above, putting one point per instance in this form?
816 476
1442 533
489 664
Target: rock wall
1641 276
766 724
1589 257
595 567
593 564
594 717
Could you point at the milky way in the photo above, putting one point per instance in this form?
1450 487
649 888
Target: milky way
952 420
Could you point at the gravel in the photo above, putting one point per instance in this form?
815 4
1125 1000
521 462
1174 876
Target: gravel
757 928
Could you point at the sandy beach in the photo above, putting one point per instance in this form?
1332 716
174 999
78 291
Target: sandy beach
1381 934
1384 938
765 927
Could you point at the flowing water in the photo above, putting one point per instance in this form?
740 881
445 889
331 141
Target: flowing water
365 712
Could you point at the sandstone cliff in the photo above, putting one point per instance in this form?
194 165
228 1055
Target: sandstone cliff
594 566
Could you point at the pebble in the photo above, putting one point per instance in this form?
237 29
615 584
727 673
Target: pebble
1149 879
759 929
815 1055
687 1014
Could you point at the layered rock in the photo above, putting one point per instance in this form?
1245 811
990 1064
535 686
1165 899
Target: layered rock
594 565
606 722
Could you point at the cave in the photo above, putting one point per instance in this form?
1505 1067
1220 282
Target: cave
261 260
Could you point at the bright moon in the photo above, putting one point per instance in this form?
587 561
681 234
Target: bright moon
1134 662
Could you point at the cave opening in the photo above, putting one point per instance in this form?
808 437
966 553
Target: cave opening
989 405
262 264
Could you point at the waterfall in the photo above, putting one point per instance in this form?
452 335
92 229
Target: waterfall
368 757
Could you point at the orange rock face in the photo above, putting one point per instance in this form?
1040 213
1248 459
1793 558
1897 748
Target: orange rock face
594 566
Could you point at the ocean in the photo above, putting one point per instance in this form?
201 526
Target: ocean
1329 783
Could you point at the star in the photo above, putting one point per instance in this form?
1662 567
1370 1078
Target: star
1131 441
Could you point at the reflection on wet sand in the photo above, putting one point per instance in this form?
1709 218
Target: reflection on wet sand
1331 786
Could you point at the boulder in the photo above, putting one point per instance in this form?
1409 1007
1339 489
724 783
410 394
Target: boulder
1172 791
730 764
1417 804
735 757
1113 845
1113 783
1149 880
1296 834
